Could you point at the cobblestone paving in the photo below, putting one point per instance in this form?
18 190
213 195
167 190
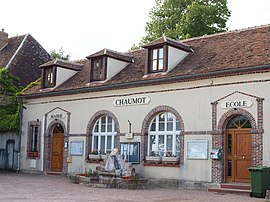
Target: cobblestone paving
33 187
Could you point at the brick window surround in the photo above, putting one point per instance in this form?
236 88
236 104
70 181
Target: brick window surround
90 127
30 153
219 131
146 124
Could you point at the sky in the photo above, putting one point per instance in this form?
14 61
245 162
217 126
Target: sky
83 27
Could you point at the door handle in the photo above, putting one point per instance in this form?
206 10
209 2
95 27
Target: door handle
244 157
235 156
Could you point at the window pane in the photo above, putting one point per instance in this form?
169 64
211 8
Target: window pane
154 65
177 126
161 145
109 126
154 54
96 127
160 64
103 124
161 122
153 145
109 144
95 146
169 145
102 144
170 121
153 125
160 53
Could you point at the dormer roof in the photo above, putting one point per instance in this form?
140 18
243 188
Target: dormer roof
113 54
166 40
63 63
236 52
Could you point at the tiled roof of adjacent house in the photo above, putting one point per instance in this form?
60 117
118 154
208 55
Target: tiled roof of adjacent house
224 54
22 56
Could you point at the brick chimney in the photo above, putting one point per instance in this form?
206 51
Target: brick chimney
3 39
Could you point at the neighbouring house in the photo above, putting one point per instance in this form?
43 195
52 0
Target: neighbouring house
21 55
194 110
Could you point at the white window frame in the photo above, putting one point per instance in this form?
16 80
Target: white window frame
166 133
106 134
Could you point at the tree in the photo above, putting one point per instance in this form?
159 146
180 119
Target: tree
60 54
9 105
181 19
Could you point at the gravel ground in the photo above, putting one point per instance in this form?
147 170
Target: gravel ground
32 187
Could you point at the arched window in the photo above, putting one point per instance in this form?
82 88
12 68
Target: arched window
164 135
239 121
104 135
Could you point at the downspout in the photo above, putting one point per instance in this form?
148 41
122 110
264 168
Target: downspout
20 136
42 142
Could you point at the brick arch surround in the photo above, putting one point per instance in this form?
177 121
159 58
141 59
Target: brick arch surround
48 146
90 127
218 167
146 123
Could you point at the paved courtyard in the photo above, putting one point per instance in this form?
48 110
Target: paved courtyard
33 187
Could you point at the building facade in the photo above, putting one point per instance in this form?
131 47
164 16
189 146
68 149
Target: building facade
194 110
21 55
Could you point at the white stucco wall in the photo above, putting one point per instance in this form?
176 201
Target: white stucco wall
175 56
114 67
192 100
63 74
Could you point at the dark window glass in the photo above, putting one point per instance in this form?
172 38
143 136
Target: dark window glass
239 121
156 60
49 78
97 70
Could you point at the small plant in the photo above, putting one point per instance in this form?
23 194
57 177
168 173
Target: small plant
154 153
91 173
95 152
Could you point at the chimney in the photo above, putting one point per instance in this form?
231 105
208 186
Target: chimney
3 39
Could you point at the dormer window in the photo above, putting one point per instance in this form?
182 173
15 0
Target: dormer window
49 77
164 54
156 60
98 69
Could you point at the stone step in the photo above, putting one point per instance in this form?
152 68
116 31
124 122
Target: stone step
232 191
241 186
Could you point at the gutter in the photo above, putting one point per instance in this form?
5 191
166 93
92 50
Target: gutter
147 82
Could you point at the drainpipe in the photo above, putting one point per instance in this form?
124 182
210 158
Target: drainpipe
20 135
42 142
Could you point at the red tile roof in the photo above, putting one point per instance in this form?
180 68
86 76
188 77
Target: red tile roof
217 55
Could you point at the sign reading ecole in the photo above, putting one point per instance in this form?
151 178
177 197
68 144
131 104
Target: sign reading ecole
237 104
130 101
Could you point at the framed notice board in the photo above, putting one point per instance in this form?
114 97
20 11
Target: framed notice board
197 149
131 152
76 148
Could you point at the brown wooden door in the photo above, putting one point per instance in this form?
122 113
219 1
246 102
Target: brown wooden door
238 155
57 151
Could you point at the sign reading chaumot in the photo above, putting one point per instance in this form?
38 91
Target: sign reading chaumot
237 104
129 101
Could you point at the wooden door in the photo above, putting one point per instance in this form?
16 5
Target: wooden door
10 154
238 155
57 151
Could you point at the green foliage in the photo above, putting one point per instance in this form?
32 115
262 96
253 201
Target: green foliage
9 105
60 54
181 19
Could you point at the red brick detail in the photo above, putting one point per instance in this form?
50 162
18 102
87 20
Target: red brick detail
48 143
91 124
146 123
218 137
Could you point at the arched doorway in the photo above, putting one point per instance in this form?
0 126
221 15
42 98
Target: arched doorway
238 151
57 148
